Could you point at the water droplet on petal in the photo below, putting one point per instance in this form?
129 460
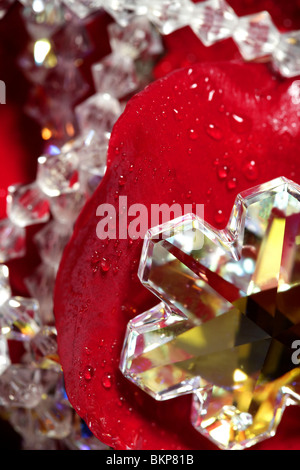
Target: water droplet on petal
107 381
193 134
88 373
239 124
250 170
223 172
122 180
104 264
219 217
214 132
232 183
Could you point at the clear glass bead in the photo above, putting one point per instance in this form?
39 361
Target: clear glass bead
21 386
43 348
12 241
213 21
123 11
83 8
5 290
40 285
58 174
53 418
65 208
4 354
137 39
27 205
286 56
170 15
43 17
256 36
115 75
19 318
51 241
99 112
92 167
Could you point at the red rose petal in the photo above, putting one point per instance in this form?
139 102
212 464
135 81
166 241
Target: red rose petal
199 135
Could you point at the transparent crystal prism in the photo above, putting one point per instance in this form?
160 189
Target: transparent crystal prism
286 56
124 11
65 208
256 36
43 348
43 17
170 15
51 241
53 418
99 112
58 174
115 75
19 318
40 285
92 167
137 39
4 354
12 241
75 35
27 205
21 386
83 8
5 290
213 20
227 318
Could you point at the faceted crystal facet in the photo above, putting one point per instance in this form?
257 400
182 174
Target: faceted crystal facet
256 36
58 174
21 386
123 11
4 354
5 290
43 348
53 418
213 21
43 17
65 208
12 241
92 167
19 318
82 8
286 56
115 75
99 112
41 286
137 39
51 241
228 318
170 15
27 205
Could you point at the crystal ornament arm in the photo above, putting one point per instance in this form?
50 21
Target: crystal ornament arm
227 316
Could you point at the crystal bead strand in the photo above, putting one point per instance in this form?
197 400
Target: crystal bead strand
67 175
255 35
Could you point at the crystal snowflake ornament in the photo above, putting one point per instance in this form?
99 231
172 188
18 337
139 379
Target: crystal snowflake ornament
228 320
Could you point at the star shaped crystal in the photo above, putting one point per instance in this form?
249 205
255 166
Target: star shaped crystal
227 325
